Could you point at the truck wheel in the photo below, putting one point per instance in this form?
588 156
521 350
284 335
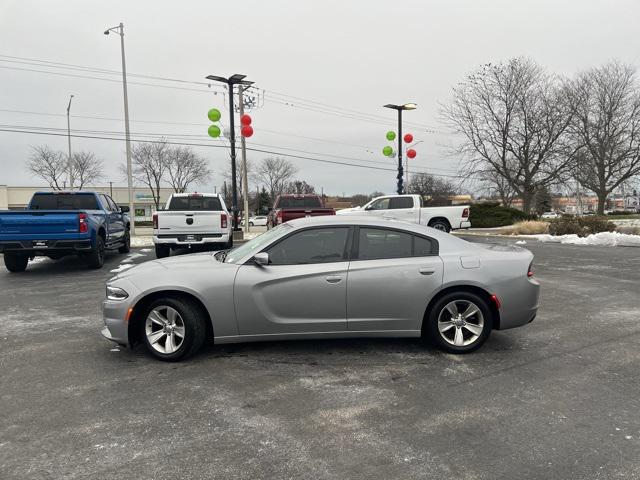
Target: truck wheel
126 245
229 244
441 225
15 262
251 224
162 251
95 259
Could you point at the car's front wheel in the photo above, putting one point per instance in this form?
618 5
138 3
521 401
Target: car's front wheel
16 262
173 329
162 251
459 322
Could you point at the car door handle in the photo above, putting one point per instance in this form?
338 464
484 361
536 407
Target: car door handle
334 279
426 271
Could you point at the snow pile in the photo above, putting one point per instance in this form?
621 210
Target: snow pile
141 241
610 239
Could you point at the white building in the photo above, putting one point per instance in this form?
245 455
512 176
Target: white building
17 198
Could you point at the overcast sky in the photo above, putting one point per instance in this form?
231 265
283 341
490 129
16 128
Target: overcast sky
355 55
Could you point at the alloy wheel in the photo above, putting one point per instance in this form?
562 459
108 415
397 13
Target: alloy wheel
165 329
460 323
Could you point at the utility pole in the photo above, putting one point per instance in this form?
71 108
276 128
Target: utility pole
111 189
243 147
132 214
69 161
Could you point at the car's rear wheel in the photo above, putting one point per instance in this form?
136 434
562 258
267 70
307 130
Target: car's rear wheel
162 251
459 322
95 258
126 243
173 329
16 262
441 225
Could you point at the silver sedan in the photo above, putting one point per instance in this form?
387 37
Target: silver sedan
325 277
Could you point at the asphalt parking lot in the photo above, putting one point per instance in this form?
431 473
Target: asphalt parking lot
558 399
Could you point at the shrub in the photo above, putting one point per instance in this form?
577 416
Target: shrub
488 215
581 226
531 227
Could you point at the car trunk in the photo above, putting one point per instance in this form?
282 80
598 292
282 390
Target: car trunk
39 223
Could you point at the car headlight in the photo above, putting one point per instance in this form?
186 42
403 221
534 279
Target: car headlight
115 293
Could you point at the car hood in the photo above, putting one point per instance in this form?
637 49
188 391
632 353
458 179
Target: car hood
179 262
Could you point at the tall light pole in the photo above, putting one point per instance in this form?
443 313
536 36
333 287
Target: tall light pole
132 214
69 161
236 79
400 108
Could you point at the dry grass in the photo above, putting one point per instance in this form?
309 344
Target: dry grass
628 230
527 228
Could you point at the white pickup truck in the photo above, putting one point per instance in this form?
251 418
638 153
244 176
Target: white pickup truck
409 208
191 220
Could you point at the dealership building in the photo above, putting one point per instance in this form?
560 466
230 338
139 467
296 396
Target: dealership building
17 198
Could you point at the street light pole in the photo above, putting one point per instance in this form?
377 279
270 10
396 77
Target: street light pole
399 109
132 214
236 79
69 161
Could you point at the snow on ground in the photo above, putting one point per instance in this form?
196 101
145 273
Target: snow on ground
627 222
122 267
610 239
141 241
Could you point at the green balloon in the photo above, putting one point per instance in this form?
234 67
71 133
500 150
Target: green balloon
214 115
391 135
387 151
214 131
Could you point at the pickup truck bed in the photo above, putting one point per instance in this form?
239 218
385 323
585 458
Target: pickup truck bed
291 206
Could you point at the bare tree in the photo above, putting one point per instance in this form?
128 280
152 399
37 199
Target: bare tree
86 168
49 165
497 186
274 174
149 166
185 167
513 120
433 190
605 103
300 187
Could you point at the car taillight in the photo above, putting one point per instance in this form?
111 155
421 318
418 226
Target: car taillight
83 227
465 213
155 220
530 270
279 216
223 220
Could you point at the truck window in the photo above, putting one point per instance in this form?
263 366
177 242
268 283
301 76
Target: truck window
382 204
210 204
400 202
301 202
64 201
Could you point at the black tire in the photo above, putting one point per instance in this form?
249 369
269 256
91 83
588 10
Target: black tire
162 251
16 262
195 331
95 258
126 244
445 341
441 225
229 244
251 224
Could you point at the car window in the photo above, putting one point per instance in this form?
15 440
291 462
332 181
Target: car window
299 202
375 244
112 204
401 202
318 245
382 204
64 201
104 202
195 203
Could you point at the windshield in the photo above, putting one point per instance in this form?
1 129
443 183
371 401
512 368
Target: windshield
256 244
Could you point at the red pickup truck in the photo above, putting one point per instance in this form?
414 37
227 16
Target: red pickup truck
290 207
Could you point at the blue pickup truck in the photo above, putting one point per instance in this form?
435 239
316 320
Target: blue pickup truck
56 224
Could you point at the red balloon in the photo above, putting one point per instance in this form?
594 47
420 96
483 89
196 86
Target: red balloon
245 120
411 153
408 138
246 131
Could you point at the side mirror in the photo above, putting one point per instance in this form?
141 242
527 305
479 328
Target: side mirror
261 259
124 209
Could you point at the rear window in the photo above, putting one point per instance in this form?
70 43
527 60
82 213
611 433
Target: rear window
299 202
195 203
64 201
